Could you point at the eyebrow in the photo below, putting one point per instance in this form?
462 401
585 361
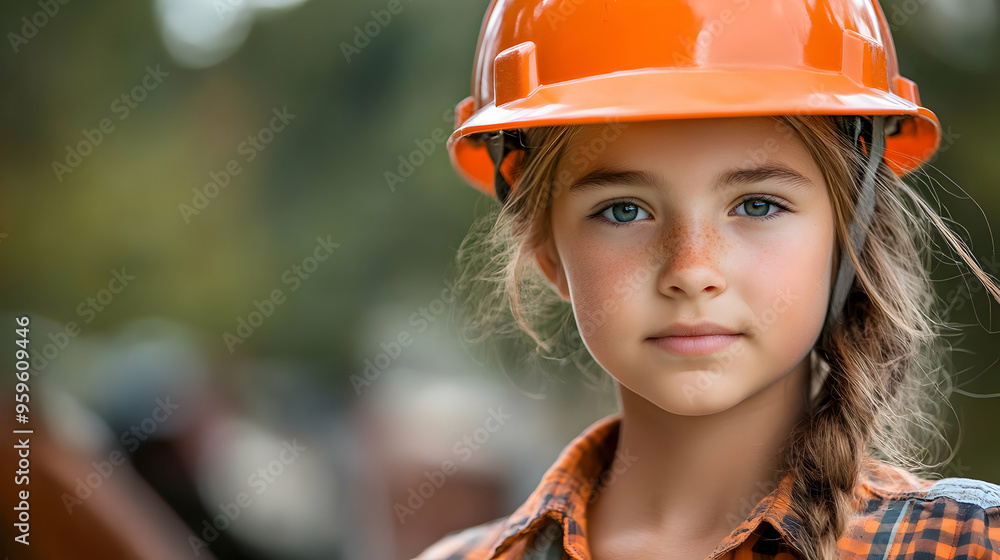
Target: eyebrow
602 177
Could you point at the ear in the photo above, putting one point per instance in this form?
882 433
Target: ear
548 260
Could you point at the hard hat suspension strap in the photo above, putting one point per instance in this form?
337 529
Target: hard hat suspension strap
499 145
871 134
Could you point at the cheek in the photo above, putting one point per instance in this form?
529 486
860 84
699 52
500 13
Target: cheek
790 289
603 285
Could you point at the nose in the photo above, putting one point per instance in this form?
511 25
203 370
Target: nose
690 255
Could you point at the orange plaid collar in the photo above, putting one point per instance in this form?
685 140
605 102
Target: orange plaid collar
899 515
570 484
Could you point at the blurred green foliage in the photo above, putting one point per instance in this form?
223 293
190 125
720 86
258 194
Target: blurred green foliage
324 174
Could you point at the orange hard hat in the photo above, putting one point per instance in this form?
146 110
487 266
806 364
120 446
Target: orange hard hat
548 62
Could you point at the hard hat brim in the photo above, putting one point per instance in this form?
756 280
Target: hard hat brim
655 94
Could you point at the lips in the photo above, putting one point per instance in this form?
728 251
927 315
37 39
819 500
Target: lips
695 345
695 339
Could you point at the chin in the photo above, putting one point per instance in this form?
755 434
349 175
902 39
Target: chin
697 405
690 399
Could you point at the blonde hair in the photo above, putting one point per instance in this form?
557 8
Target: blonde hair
883 368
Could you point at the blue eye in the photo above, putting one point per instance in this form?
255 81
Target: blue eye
620 213
758 207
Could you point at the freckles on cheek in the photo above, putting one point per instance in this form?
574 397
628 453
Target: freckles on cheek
601 284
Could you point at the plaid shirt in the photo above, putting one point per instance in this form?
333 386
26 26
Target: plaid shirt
901 516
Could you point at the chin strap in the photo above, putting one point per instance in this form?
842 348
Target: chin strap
872 135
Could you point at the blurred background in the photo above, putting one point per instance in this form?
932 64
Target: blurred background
241 334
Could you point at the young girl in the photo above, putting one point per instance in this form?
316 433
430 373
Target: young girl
704 197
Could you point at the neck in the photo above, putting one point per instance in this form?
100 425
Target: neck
697 475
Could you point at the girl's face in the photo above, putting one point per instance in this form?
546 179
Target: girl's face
697 255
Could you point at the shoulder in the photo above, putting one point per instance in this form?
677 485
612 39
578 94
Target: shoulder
906 516
979 493
957 516
473 543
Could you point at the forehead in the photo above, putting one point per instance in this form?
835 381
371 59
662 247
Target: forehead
688 145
